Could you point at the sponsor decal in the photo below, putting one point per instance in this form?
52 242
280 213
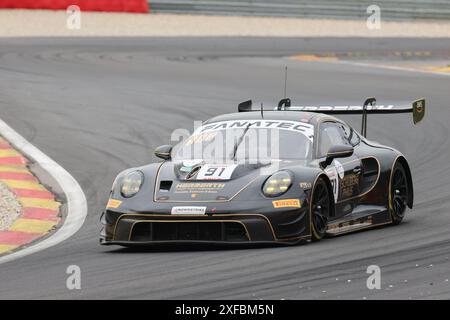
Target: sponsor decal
349 184
340 108
200 138
306 129
216 172
188 210
199 187
305 185
113 203
286 203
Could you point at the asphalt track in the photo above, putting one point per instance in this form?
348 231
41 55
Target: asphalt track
97 106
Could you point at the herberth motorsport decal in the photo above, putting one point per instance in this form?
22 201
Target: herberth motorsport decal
348 185
306 129
198 187
343 185
340 108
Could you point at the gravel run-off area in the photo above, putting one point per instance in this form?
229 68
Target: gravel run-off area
10 208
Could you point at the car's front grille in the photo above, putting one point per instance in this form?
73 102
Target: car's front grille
188 231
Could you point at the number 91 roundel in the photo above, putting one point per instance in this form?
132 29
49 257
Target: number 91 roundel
335 173
216 172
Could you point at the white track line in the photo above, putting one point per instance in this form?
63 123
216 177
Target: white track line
76 200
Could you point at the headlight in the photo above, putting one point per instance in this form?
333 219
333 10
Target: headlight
131 184
277 184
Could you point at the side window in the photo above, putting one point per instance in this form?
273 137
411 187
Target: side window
331 133
350 135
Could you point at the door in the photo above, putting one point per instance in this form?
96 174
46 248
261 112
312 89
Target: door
344 173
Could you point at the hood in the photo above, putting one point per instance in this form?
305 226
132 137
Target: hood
197 180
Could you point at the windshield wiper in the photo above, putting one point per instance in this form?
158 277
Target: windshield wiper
236 145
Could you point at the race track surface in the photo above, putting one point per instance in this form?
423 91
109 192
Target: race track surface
98 106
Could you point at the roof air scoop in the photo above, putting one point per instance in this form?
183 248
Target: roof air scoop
245 106
283 104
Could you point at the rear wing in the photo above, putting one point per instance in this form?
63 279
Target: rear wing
417 108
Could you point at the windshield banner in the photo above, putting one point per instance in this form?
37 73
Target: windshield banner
295 126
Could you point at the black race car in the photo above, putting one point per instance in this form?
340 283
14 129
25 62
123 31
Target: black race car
283 175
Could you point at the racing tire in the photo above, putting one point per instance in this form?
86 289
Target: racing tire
398 193
320 209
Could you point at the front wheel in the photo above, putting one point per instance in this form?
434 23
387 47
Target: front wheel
398 193
320 210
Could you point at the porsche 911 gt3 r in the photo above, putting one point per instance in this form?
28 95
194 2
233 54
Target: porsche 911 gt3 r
287 175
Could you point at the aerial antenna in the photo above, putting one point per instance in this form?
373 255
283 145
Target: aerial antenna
262 110
285 80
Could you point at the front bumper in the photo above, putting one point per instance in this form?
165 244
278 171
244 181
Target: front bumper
230 228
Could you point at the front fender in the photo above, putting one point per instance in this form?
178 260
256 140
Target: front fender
140 201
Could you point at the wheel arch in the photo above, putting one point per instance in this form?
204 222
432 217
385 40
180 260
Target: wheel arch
330 191
402 160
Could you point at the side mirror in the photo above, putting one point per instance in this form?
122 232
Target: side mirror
338 151
163 152
418 110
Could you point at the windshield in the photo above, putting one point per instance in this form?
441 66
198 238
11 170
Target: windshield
256 140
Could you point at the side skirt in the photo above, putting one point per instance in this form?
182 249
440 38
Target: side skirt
370 218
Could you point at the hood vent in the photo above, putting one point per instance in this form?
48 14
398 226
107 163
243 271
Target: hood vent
165 185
